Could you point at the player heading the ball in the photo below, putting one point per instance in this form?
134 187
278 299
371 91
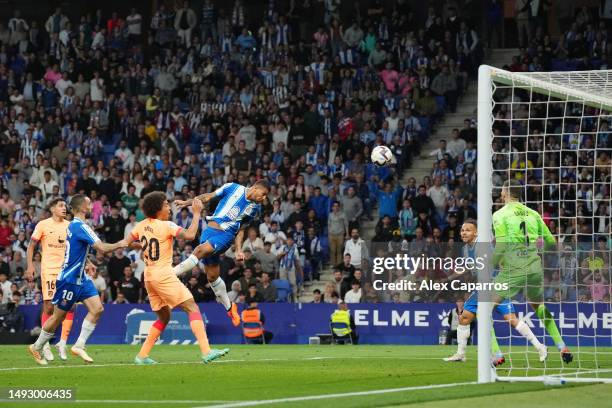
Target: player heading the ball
237 207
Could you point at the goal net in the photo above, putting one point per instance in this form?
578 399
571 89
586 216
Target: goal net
550 131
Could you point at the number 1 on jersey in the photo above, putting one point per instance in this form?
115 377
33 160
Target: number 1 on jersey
524 229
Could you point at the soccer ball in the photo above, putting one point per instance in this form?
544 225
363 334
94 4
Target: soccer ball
381 155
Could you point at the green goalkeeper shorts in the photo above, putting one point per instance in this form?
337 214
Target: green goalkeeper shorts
528 280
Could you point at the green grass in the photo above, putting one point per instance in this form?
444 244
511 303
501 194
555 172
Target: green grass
271 372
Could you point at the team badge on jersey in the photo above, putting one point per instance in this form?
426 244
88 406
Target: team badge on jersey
233 212
249 209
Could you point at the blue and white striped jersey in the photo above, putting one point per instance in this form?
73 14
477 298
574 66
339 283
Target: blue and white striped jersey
469 251
80 237
233 209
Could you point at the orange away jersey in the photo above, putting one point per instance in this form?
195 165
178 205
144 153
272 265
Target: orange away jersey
52 238
156 237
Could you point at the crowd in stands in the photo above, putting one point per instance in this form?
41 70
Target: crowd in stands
565 165
118 105
565 161
582 44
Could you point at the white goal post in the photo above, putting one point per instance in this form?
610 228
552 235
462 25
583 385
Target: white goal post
585 97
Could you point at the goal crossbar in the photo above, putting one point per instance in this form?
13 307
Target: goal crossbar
594 88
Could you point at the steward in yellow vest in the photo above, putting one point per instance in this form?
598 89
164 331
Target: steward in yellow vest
342 315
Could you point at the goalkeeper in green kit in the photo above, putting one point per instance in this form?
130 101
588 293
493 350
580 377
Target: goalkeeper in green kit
517 231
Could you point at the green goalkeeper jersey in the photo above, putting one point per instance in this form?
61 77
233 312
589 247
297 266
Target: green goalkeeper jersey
517 230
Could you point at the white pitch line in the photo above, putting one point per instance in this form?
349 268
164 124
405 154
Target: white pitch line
371 358
339 395
79 401
133 364
225 361
49 367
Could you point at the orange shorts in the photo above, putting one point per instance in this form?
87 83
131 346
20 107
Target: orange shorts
47 281
167 291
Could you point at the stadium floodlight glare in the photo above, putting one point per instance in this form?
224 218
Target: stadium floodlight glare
545 130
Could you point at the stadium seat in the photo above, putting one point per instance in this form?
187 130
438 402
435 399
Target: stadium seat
117 138
196 148
597 63
324 241
558 65
339 326
108 152
538 173
441 221
253 340
441 103
184 107
425 130
572 65
307 272
424 122
283 290
299 281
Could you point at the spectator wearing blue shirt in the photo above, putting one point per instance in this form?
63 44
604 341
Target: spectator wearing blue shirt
280 153
320 204
49 97
382 172
21 125
388 199
245 40
367 136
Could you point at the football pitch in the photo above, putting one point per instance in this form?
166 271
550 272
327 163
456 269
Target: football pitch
278 375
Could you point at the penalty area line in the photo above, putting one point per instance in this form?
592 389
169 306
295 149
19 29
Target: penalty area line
338 395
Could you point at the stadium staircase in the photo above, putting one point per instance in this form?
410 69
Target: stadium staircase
421 167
